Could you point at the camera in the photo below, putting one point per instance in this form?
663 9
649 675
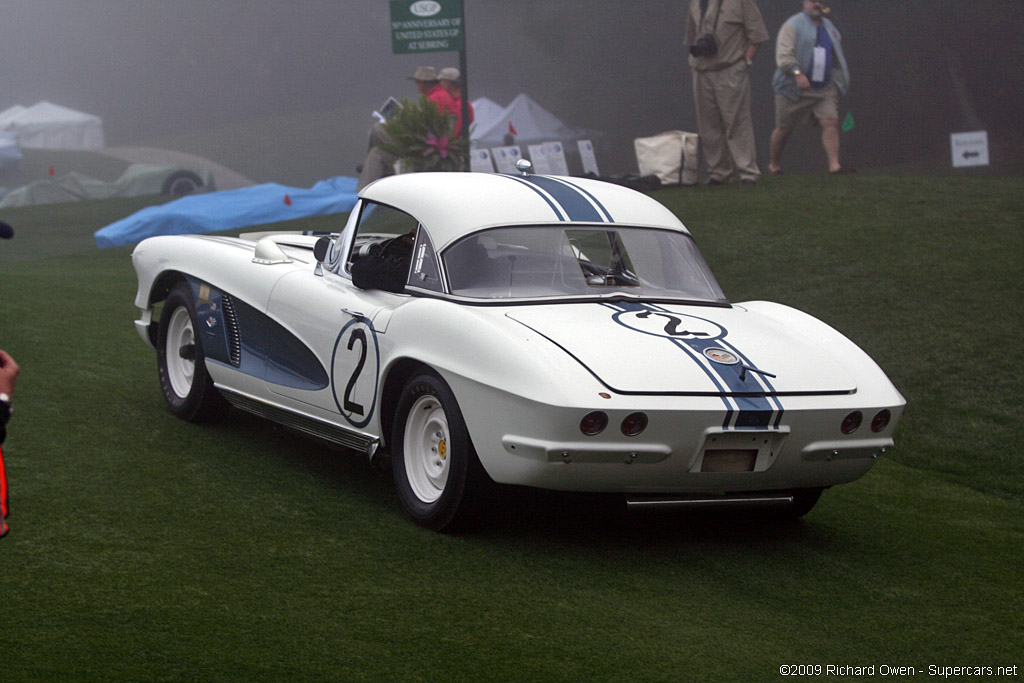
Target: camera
704 46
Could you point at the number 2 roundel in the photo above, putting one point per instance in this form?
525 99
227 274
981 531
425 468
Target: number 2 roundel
355 371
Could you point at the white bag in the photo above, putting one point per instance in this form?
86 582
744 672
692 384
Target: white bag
671 156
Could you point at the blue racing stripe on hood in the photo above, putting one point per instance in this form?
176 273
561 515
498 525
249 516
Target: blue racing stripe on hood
743 410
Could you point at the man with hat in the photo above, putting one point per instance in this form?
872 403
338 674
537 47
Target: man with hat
810 78
379 163
428 84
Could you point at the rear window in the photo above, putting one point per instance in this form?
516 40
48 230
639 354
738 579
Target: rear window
529 262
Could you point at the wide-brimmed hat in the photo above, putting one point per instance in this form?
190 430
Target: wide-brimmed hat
424 73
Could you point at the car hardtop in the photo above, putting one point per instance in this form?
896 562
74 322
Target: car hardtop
453 205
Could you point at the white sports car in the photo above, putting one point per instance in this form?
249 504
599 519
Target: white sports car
551 332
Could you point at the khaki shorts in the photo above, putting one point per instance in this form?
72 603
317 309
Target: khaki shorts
824 104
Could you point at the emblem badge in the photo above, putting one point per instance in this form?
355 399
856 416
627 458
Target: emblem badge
425 8
721 356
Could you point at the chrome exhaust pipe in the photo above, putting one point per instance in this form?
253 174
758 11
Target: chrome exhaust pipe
640 502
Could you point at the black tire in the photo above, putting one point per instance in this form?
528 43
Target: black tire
803 501
440 481
182 182
181 364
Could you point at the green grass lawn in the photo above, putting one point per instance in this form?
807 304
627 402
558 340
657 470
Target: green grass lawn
145 548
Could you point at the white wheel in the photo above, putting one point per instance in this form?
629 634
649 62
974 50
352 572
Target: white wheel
440 481
181 364
425 448
181 352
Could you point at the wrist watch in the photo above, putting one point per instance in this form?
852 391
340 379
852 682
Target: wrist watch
5 408
796 72
750 62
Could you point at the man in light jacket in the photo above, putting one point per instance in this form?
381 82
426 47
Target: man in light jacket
811 76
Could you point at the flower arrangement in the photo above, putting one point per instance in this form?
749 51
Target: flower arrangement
421 137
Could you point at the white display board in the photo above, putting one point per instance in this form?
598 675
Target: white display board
480 161
587 157
969 149
505 158
549 159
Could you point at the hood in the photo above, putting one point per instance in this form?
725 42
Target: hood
687 350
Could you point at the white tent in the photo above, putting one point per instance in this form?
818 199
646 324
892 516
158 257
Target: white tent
527 121
10 114
10 153
50 126
485 112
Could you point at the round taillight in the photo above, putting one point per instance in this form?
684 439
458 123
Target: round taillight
634 424
851 422
594 423
881 420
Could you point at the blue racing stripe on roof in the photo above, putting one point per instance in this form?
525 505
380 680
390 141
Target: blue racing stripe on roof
573 201
597 204
543 195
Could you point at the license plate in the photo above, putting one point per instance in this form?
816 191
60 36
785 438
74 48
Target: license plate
729 460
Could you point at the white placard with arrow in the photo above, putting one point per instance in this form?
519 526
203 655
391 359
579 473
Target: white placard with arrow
969 149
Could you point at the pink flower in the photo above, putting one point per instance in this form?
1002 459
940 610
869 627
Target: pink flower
439 144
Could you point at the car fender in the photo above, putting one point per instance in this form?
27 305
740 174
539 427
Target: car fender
501 372
482 344
872 382
225 262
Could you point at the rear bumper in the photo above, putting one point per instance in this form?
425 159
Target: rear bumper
685 448
717 462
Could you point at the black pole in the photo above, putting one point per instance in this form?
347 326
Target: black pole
464 73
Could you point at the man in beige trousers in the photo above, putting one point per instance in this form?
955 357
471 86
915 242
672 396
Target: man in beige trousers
721 84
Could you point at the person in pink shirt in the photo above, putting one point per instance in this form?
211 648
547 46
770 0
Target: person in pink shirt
450 79
8 377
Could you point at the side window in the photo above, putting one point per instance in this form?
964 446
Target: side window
333 261
377 224
425 273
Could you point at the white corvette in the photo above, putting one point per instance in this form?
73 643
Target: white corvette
551 332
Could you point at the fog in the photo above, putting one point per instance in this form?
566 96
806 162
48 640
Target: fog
921 69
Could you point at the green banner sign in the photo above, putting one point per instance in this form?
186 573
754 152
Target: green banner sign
426 26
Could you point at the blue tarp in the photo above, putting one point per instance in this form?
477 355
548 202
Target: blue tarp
256 205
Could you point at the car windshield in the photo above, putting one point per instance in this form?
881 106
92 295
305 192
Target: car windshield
530 262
